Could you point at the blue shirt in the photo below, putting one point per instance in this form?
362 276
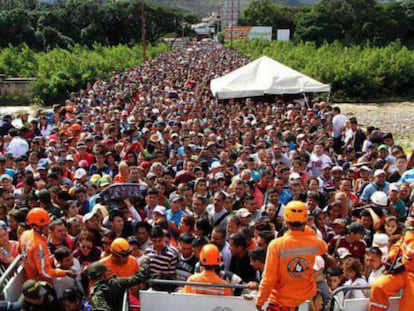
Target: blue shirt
284 197
373 187
176 218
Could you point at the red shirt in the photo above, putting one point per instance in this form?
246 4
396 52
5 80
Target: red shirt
88 157
356 248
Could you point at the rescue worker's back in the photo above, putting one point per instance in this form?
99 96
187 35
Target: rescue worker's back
288 273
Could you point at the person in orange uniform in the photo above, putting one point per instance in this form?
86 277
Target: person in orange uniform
288 278
120 262
210 260
388 285
38 265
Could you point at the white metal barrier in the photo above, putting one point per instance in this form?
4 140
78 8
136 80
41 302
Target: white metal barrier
160 301
357 304
12 279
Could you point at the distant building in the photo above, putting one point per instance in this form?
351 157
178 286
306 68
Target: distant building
230 13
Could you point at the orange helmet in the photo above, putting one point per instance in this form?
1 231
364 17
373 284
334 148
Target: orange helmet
38 216
76 127
121 246
296 211
210 255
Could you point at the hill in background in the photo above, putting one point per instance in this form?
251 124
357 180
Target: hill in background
205 7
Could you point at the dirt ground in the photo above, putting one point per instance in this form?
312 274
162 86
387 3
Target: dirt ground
396 118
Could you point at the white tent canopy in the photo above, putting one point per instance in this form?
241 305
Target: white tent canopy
264 76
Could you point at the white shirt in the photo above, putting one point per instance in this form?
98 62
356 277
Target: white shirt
65 282
358 293
375 274
338 122
18 147
316 162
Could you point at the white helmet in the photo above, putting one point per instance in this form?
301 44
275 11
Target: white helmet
379 198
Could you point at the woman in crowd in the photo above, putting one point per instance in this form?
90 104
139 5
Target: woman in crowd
9 249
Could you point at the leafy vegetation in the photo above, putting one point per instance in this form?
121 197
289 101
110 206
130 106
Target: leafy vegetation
355 73
349 21
85 22
61 71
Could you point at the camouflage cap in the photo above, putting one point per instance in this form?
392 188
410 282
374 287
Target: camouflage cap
96 270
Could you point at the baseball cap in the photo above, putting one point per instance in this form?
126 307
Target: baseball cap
79 173
325 166
337 168
356 227
104 181
215 165
243 212
365 168
132 240
176 197
96 270
380 240
379 172
88 216
219 176
5 176
340 222
294 176
394 187
343 253
383 147
41 167
69 157
33 289
109 141
160 210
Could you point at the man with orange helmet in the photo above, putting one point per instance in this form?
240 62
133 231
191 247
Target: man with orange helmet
121 263
387 285
210 260
288 279
32 242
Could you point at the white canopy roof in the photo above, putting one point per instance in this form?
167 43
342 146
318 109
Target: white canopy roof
264 76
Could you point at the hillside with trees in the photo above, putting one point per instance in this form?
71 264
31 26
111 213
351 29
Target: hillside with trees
86 22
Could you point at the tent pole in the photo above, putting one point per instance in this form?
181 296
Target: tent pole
306 100
329 97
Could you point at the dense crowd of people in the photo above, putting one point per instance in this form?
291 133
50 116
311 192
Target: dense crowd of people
207 171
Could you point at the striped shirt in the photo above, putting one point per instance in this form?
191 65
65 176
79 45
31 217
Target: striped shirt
407 177
163 263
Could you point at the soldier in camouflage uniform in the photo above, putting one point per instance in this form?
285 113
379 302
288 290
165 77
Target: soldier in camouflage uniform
106 293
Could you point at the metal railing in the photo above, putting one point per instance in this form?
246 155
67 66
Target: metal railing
125 301
341 303
183 283
10 272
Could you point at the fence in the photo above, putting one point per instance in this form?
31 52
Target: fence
338 303
12 279
175 301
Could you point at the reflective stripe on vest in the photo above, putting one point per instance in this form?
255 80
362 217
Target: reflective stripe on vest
299 251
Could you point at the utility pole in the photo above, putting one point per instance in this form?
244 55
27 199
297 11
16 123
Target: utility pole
231 24
144 32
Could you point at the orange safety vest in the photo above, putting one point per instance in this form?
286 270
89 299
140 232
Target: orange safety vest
38 265
121 271
206 276
406 245
288 279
